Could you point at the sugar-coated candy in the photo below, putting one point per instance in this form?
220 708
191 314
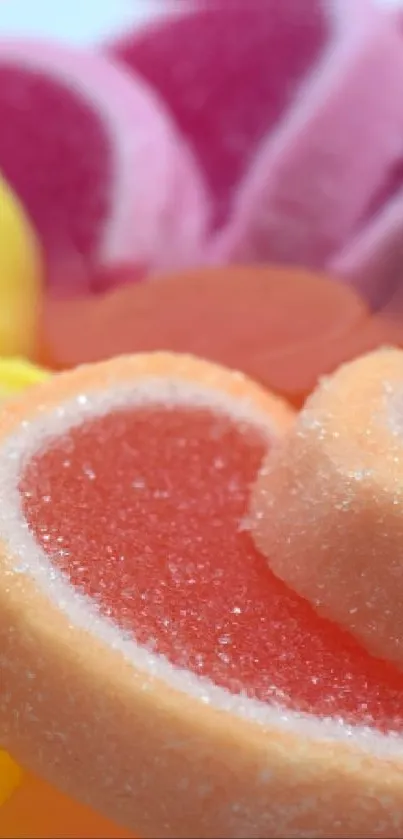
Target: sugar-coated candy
132 603
284 327
327 508
97 162
372 262
29 807
227 71
15 376
204 425
21 275
325 168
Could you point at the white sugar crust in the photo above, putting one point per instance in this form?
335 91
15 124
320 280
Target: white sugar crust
29 559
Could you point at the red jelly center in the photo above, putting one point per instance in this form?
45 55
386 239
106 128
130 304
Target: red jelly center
143 509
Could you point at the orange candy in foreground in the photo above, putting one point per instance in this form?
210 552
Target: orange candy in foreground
327 508
128 743
282 326
40 811
194 756
29 806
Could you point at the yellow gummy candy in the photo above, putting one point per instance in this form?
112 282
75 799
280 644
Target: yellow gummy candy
16 374
20 277
10 777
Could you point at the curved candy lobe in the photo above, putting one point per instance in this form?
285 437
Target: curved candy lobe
99 175
327 507
228 72
21 276
283 327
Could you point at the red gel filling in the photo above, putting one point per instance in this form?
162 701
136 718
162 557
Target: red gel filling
143 509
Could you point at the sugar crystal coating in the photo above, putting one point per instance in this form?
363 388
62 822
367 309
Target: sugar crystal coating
327 509
144 510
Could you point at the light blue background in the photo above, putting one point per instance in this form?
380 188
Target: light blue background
81 21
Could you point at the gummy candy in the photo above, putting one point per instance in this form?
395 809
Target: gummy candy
282 326
187 662
295 115
16 374
226 71
40 811
317 185
20 277
104 175
152 466
372 261
37 809
10 777
232 416
327 507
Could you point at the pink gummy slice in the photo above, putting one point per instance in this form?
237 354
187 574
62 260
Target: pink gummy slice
143 510
373 261
227 70
316 177
95 158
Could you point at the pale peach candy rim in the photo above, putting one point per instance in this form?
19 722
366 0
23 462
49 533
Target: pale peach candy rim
52 417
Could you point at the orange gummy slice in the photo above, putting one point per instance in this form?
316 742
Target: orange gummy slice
164 673
29 806
202 431
181 688
282 326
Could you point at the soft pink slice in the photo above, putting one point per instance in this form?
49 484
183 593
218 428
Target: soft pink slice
143 509
315 179
228 71
96 160
373 261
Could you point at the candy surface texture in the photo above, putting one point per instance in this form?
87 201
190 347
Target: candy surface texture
327 507
104 175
